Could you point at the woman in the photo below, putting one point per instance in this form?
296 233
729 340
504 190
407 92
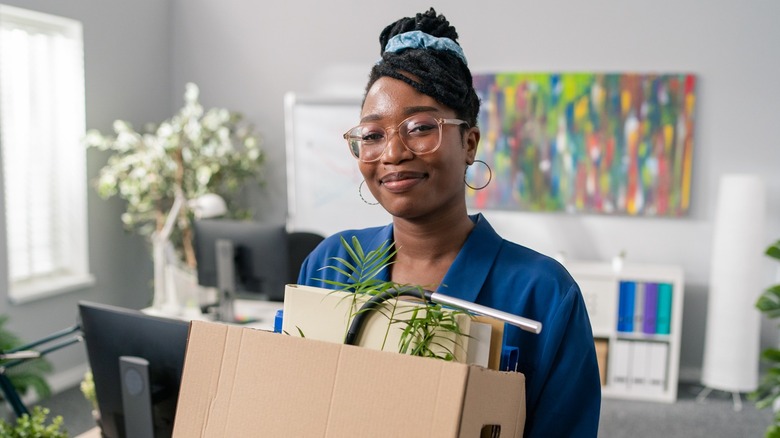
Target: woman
416 137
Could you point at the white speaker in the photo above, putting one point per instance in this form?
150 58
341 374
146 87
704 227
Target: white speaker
731 348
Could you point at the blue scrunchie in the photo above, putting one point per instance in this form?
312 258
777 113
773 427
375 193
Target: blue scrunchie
417 39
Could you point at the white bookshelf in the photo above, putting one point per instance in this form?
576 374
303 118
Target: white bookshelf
640 363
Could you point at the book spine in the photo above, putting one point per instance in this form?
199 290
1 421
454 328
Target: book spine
626 307
620 364
639 306
657 360
663 321
651 308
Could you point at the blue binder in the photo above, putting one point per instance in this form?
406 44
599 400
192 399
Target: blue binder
626 306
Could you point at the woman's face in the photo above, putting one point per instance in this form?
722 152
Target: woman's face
413 186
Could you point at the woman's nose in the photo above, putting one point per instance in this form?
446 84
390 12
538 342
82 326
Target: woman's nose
395 150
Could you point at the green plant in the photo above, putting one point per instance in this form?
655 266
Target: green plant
195 152
88 389
768 391
34 425
425 327
28 374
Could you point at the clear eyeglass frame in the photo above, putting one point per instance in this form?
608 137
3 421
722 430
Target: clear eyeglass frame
355 139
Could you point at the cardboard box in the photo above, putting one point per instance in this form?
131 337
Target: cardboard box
238 381
602 350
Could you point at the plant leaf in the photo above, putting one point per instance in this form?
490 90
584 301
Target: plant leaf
774 250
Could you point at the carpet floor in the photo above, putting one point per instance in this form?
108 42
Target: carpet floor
714 417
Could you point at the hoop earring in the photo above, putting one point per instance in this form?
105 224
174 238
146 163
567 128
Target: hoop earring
490 177
360 192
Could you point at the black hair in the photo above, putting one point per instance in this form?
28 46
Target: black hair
439 74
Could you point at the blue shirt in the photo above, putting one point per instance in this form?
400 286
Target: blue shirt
563 389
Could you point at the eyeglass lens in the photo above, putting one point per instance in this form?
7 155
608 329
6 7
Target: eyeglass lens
420 134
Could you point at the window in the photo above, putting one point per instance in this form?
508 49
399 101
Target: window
41 130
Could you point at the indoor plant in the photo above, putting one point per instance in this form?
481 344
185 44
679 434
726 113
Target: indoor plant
27 375
768 392
425 329
195 152
34 425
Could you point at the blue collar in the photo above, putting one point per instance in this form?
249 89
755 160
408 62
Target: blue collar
471 267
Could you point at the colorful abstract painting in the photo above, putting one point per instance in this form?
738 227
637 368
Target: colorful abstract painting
585 142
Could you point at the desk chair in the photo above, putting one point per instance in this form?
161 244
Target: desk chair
19 355
299 244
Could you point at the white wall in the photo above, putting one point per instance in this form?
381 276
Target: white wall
246 55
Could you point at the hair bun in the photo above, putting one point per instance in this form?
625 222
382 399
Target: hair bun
429 22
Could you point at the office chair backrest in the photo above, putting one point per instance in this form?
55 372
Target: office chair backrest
300 244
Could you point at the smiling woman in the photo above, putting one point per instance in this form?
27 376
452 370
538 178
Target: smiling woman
416 138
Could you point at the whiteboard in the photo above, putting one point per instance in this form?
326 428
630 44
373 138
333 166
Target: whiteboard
322 175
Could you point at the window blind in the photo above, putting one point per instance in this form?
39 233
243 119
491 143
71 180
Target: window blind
41 130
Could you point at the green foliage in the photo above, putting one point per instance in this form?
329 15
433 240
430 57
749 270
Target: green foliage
88 389
29 374
363 268
34 425
768 391
196 151
422 332
425 327
361 271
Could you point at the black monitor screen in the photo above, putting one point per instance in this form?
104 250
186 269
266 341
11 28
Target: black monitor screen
111 332
260 256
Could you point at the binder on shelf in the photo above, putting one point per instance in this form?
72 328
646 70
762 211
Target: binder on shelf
639 373
621 363
657 368
626 307
664 318
651 308
639 306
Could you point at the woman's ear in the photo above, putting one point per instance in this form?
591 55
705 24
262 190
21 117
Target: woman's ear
471 143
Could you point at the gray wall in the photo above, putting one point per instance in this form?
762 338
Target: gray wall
245 55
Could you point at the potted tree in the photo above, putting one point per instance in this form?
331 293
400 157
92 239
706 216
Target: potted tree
196 152
768 392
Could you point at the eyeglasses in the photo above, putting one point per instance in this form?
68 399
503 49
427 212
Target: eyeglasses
420 133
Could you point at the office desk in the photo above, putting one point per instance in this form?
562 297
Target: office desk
258 314
261 313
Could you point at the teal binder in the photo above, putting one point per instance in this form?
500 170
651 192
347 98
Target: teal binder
664 319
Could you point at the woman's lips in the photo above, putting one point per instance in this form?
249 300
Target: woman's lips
401 181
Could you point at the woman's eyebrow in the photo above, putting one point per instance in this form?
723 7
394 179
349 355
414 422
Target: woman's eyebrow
419 109
407 111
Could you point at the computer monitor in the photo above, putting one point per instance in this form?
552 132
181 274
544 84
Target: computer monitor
260 256
112 332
